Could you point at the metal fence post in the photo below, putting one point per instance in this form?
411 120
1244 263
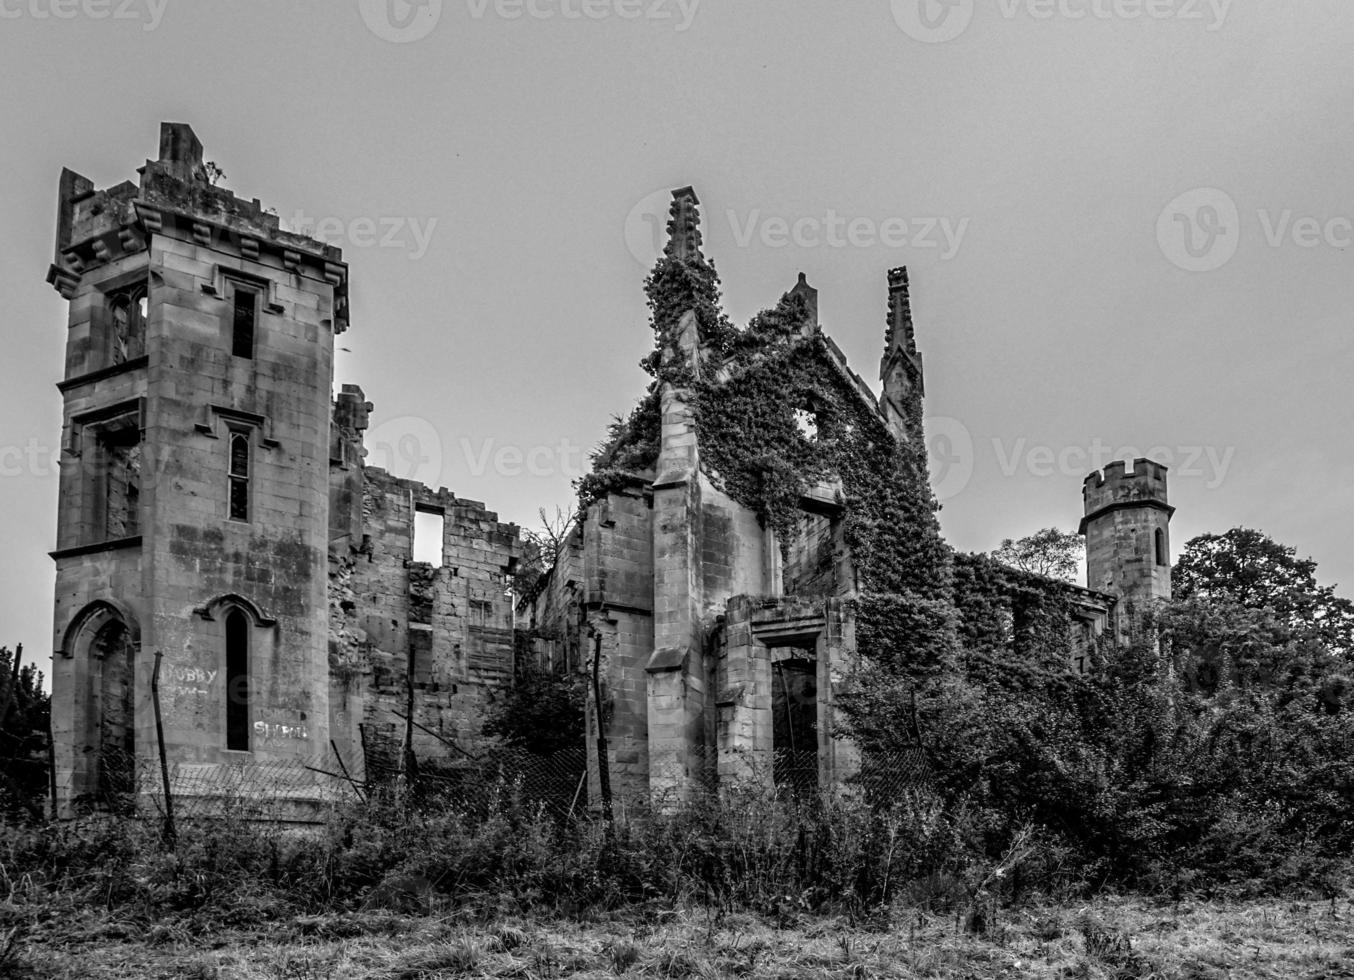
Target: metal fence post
171 835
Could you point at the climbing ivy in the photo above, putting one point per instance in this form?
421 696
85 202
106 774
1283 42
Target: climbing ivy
631 449
674 287
1011 622
917 603
746 422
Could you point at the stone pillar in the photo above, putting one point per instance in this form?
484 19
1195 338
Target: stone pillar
839 758
676 670
746 732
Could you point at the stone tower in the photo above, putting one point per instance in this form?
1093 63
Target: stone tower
194 502
1128 538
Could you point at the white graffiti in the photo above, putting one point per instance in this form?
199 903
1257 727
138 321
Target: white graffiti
265 729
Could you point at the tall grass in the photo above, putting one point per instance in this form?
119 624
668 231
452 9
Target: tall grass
506 854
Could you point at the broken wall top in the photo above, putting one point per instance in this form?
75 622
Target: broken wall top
176 194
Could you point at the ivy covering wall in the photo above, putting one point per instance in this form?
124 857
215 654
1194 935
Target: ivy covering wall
752 388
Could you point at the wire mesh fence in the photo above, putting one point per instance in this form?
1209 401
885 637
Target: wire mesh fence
799 777
556 783
885 778
296 790
306 790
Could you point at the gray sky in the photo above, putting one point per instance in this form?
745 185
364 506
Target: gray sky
1127 222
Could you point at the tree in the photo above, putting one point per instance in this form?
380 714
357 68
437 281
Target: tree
541 548
1049 552
543 713
23 735
1247 568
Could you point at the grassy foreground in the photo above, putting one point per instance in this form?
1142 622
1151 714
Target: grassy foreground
1117 938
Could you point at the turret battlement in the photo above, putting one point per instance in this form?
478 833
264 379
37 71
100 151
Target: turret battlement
1116 486
1127 529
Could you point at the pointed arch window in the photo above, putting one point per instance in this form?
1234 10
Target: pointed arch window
127 334
237 681
239 467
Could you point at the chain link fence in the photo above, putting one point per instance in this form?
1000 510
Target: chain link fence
879 779
306 790
298 790
557 783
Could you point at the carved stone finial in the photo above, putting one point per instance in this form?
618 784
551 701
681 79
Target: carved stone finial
900 369
684 225
899 334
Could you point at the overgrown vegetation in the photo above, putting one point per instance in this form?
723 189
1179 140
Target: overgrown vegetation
752 386
503 852
24 712
542 713
1214 754
630 450
488 877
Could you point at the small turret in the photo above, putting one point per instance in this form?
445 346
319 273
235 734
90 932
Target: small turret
1127 528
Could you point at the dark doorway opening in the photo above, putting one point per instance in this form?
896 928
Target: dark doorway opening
794 711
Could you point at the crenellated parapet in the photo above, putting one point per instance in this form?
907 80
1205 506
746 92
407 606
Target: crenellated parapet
176 197
1116 487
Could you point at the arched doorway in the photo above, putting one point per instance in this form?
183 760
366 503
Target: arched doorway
113 690
103 643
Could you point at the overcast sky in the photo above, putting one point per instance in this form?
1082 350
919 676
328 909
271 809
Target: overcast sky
1128 225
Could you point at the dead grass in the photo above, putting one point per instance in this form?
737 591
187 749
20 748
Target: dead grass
1109 940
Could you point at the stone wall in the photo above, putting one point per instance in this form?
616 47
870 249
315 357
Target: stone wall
451 624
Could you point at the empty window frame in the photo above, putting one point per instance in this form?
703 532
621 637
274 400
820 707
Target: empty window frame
429 534
128 309
1159 542
244 306
110 477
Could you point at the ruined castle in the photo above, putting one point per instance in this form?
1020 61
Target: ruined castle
221 540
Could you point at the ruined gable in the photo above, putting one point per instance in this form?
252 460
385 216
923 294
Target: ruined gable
735 525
